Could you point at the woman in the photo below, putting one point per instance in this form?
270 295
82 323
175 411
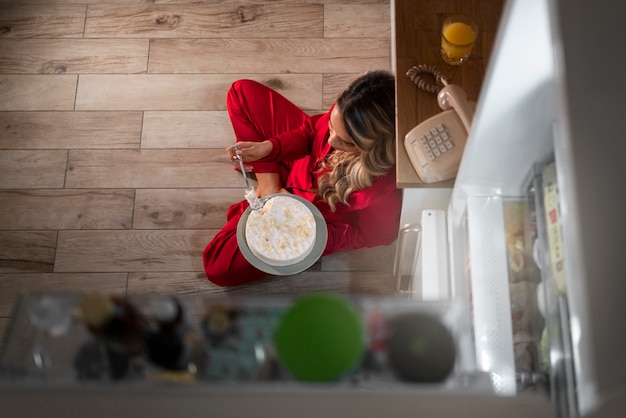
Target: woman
342 161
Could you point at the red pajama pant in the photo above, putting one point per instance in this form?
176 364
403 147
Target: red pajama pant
257 113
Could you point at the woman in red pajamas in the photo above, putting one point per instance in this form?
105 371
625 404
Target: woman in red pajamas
342 161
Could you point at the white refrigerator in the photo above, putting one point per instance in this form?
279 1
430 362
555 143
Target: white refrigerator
546 149
546 140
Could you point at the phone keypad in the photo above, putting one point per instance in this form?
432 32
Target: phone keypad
436 142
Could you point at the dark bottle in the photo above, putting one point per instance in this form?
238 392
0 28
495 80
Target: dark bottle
166 342
115 320
119 328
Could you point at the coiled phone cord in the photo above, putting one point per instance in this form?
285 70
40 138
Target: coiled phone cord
415 75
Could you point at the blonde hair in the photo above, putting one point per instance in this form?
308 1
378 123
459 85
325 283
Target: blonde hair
367 109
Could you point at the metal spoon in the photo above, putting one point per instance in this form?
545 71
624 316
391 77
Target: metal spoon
250 193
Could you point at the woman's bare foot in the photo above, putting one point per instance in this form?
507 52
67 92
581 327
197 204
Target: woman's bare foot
269 183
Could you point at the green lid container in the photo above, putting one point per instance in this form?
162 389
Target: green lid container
321 338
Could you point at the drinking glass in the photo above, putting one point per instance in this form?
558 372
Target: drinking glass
458 35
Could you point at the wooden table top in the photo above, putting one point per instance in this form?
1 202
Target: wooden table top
416 32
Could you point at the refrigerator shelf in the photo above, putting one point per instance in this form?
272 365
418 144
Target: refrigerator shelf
231 341
490 301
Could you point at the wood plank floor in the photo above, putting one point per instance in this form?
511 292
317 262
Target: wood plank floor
113 126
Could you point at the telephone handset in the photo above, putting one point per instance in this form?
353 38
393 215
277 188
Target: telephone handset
435 146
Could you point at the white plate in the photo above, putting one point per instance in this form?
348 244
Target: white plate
321 236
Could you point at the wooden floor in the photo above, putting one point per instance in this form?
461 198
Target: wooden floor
113 174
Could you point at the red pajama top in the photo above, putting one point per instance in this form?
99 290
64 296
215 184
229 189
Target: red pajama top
372 217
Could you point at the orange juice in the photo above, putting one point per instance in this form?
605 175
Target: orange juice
457 40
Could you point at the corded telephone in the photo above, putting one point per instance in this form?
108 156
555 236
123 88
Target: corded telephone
435 146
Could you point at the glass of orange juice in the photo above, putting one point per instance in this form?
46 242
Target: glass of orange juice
458 35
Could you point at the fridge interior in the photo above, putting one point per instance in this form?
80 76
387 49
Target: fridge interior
504 262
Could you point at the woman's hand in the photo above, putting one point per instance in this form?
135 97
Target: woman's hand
250 151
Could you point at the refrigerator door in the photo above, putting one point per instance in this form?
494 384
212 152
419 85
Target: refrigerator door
556 92
590 167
